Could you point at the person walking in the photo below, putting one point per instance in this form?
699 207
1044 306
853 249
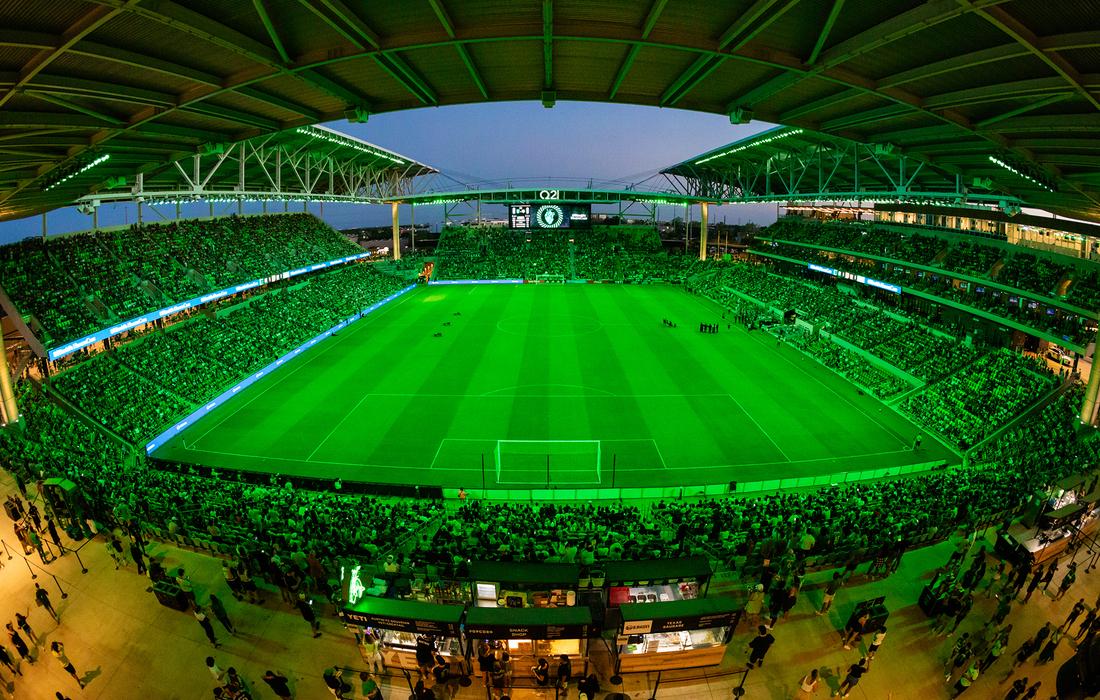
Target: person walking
204 622
960 654
1067 581
21 623
1017 690
1032 585
51 528
1048 576
218 609
1047 654
19 645
7 660
305 608
759 646
58 651
1074 613
138 556
807 686
855 672
42 598
278 684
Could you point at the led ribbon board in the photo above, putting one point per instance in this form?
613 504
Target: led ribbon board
248 381
439 282
111 331
856 278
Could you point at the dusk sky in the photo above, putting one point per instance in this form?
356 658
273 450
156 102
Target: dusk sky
501 141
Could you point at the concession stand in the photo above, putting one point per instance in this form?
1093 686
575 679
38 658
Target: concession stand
523 584
1068 512
398 623
673 635
659 581
528 634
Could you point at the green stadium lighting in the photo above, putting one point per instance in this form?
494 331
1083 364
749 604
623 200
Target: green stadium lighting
84 168
1019 172
761 142
347 143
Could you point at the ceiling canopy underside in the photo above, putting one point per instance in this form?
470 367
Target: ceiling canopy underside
951 82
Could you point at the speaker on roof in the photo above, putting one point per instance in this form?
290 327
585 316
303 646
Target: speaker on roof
357 115
740 115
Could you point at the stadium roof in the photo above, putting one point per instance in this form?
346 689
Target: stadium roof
956 81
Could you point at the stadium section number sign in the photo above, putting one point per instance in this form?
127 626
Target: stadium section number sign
549 216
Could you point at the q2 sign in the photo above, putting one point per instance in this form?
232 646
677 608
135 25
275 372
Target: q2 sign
548 195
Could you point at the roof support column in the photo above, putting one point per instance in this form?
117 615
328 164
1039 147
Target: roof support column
1092 391
396 231
412 227
7 396
703 214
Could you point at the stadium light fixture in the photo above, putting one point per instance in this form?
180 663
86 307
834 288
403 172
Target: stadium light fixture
761 142
347 143
73 173
1017 171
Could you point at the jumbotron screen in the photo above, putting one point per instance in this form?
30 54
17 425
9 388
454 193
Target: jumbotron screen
545 215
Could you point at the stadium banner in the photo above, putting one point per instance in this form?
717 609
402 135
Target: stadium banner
441 282
137 321
182 425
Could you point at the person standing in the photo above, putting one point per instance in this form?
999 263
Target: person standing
51 528
565 672
21 623
759 646
1017 690
369 649
204 622
541 672
305 608
278 684
1074 613
1049 575
138 556
854 629
58 651
42 598
1033 584
370 687
876 642
830 592
855 672
967 679
807 686
218 609
212 667
1047 654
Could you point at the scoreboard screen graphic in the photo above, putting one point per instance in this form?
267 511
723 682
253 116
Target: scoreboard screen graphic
546 215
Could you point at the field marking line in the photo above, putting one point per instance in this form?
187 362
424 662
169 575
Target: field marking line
759 427
337 425
436 455
487 394
885 428
307 360
795 462
664 464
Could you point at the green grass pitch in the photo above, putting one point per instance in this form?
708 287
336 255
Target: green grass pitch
550 370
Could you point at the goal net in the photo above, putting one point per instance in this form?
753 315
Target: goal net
548 462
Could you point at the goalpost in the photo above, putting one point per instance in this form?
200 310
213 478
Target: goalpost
548 462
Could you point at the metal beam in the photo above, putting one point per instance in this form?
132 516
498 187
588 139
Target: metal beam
272 32
650 22
1000 18
68 104
1023 109
547 44
463 53
88 23
823 35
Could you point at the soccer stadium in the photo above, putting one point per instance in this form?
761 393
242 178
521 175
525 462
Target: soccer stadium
296 406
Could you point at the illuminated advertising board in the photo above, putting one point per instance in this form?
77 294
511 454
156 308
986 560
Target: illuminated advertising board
111 331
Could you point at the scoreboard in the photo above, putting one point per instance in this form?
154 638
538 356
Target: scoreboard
549 215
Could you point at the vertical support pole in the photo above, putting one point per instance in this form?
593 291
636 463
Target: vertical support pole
703 215
7 396
139 212
240 206
178 211
1092 391
43 225
479 211
396 231
211 209
321 210
687 227
95 218
412 227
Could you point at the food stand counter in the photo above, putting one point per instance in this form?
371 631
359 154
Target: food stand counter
399 622
658 581
674 635
523 584
532 633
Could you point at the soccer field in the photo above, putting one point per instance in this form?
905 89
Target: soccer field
551 385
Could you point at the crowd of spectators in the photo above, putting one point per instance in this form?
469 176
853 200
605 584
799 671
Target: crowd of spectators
75 285
571 534
140 388
627 253
849 364
968 405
